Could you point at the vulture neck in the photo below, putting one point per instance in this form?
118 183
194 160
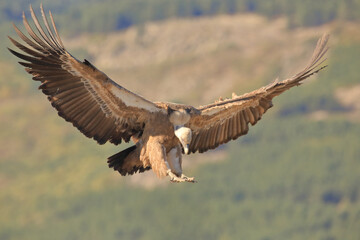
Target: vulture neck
179 118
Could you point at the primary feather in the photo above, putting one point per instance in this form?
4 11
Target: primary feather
83 95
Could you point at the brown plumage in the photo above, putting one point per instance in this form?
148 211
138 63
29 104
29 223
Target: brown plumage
105 111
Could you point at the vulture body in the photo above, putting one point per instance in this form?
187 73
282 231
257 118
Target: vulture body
105 111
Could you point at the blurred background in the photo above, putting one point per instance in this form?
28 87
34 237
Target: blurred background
296 175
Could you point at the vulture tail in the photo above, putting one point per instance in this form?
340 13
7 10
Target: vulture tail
127 162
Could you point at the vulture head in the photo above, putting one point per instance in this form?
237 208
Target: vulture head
184 136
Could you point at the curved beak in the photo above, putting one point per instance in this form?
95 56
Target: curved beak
186 149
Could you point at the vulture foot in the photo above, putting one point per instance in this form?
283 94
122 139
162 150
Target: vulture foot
176 179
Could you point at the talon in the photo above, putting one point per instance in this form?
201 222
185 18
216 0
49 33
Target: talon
188 179
176 179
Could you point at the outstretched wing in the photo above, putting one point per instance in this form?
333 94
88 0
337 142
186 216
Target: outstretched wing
83 95
222 121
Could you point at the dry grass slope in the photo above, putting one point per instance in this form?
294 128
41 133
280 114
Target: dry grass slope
196 61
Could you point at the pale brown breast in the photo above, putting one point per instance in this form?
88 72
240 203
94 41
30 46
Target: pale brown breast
159 126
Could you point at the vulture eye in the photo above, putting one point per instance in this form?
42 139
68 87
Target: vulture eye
170 110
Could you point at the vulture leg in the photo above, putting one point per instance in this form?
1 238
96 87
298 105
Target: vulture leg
174 160
175 170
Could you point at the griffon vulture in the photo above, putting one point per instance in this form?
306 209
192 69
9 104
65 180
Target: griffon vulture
105 111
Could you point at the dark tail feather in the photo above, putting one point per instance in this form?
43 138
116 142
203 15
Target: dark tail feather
120 163
117 160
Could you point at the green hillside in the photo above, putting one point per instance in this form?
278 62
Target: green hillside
296 175
110 15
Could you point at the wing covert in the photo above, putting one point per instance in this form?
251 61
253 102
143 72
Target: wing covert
225 120
82 95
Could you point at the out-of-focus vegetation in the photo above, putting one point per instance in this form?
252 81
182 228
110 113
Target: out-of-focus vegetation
110 15
296 175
